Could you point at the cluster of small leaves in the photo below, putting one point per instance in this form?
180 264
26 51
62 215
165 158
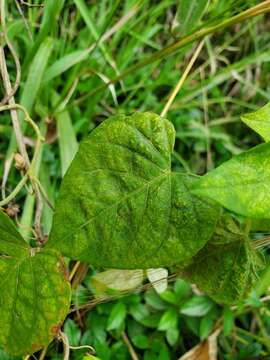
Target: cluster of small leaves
121 206
159 326
151 322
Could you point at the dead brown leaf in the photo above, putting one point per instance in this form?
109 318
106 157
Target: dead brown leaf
206 350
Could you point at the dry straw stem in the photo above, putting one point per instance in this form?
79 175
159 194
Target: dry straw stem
13 111
63 337
11 91
131 350
31 5
182 79
24 20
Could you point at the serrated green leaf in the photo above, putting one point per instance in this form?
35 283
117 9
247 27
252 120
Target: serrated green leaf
228 270
172 336
117 316
34 293
121 205
240 184
259 121
73 332
168 320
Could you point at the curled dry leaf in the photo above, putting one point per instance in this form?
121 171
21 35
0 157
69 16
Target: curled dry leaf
158 278
206 350
117 280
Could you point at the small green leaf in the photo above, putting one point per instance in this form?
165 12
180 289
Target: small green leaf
182 289
164 353
168 320
193 324
206 327
117 316
139 311
151 321
240 184
121 205
90 357
34 293
259 121
152 299
73 332
169 297
172 335
140 341
97 324
196 306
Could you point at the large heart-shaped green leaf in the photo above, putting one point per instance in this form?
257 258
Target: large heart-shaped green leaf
226 267
34 292
241 184
120 206
259 121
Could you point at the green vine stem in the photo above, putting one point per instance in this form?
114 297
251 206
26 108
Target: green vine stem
14 193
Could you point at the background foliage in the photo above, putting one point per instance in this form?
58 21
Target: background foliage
68 51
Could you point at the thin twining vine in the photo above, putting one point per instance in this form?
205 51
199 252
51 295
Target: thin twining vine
12 90
12 106
31 172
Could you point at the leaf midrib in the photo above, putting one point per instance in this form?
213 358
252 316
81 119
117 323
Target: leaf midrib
147 184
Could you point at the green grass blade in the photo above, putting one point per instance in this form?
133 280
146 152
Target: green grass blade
65 63
32 85
66 137
92 28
